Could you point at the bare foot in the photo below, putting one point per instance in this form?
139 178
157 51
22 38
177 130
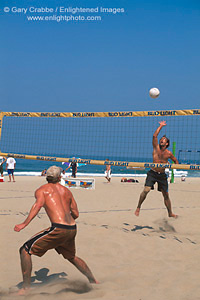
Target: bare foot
94 281
173 216
21 292
137 212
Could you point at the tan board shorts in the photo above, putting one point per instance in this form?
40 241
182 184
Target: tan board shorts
59 237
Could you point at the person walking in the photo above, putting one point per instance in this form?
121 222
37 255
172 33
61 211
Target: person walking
10 167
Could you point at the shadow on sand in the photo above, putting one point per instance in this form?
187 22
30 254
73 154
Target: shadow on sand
53 284
42 278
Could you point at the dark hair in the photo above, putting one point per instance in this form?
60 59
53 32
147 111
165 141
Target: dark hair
51 179
168 140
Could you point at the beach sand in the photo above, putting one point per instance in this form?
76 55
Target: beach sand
150 257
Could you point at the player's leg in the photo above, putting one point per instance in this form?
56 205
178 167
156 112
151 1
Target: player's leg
143 195
83 268
13 177
68 249
168 204
149 184
9 175
106 175
26 266
109 175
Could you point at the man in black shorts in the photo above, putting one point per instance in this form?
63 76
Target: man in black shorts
160 155
72 165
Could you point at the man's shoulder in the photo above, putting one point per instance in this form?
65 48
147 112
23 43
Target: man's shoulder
43 187
64 188
11 159
168 152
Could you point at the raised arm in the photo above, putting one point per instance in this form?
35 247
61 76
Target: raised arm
155 135
34 210
68 167
173 158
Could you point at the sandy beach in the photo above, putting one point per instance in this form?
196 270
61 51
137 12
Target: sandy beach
150 257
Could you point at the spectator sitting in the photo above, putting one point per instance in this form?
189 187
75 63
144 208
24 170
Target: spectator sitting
124 179
44 172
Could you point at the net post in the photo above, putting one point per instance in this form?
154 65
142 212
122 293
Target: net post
173 152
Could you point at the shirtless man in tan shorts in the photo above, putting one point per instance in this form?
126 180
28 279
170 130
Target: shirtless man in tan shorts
62 211
160 155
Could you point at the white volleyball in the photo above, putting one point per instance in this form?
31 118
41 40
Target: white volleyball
154 93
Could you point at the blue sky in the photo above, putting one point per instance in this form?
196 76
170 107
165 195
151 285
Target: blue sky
106 65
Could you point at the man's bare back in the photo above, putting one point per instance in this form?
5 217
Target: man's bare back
62 211
58 202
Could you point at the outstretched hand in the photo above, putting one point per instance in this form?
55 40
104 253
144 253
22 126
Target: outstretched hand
19 227
162 123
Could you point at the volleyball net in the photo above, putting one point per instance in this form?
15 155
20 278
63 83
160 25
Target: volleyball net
117 138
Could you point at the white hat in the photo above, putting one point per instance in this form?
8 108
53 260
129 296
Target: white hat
54 172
